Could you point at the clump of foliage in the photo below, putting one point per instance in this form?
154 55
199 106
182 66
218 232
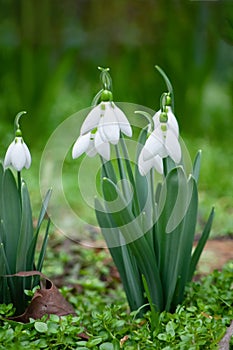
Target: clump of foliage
104 322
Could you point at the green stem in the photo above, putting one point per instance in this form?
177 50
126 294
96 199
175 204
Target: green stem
165 169
130 174
168 83
19 185
123 177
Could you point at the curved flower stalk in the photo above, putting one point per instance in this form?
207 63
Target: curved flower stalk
18 154
102 127
162 142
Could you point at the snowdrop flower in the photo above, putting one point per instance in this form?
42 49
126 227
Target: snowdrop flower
91 143
161 143
18 154
101 127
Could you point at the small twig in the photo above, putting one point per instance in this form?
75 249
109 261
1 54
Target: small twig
225 342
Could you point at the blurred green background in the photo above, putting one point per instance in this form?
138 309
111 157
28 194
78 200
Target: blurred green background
50 50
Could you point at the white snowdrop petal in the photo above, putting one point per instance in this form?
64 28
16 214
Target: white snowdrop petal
144 166
92 120
172 122
156 119
27 156
173 146
103 148
81 145
91 151
101 130
110 127
158 164
7 159
18 157
154 145
123 121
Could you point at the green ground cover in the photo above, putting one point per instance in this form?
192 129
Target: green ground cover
103 320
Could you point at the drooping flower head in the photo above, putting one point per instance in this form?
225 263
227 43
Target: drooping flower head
102 125
162 142
18 155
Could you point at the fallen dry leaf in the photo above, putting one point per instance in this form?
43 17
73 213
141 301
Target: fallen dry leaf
46 301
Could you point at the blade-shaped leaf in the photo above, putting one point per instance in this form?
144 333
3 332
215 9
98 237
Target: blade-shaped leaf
108 171
44 208
201 244
1 194
186 238
43 212
197 166
123 259
43 248
135 239
171 208
12 223
9 293
26 232
141 182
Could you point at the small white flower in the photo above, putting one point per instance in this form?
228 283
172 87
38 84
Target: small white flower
18 155
145 165
110 120
171 121
91 144
101 127
162 142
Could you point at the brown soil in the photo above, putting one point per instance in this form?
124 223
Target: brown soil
216 253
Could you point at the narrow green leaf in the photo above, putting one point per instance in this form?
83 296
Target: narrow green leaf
135 202
26 232
158 191
43 211
43 248
165 77
197 166
123 259
108 171
1 194
168 165
175 231
201 244
9 293
186 238
12 223
126 188
154 313
44 208
135 239
141 182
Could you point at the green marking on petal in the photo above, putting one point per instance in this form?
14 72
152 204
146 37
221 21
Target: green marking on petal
163 117
163 127
102 106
